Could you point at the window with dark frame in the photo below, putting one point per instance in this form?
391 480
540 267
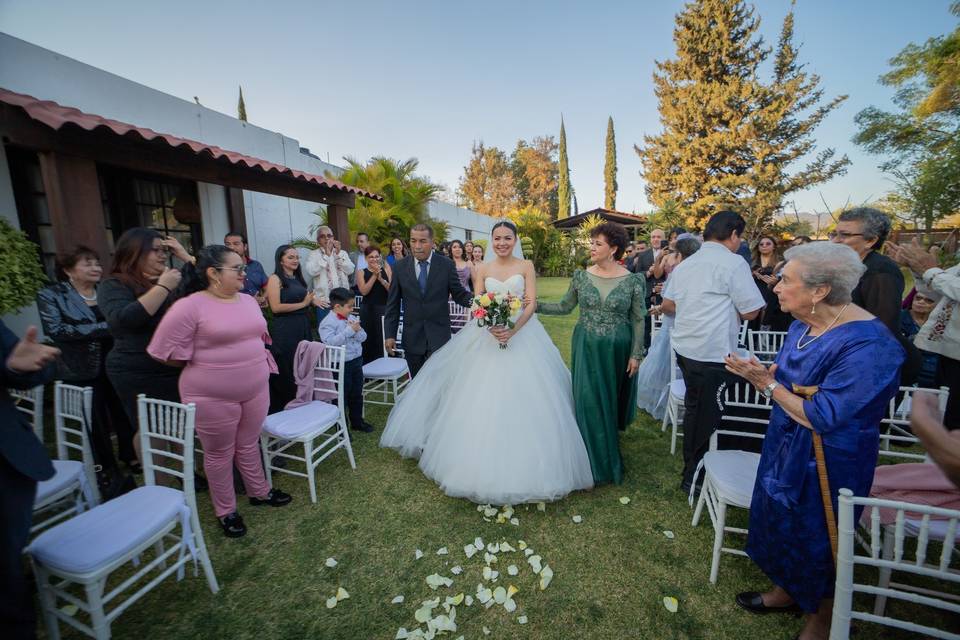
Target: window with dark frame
31 200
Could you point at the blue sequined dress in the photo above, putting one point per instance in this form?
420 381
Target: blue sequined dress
856 368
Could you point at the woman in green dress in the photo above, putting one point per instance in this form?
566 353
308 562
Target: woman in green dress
607 345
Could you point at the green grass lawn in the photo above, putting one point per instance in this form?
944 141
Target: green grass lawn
612 570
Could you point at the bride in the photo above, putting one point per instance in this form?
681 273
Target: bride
501 430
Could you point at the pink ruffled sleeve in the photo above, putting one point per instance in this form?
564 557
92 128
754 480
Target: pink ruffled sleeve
175 335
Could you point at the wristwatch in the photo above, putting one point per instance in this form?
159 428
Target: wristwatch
768 390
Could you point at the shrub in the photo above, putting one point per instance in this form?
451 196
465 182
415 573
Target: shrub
21 275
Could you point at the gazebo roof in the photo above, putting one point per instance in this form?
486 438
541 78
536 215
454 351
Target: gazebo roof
608 215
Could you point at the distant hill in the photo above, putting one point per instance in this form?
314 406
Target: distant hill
816 221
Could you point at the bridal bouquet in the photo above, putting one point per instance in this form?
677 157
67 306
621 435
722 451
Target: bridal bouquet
494 310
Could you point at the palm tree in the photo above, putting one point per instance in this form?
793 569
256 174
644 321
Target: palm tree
406 197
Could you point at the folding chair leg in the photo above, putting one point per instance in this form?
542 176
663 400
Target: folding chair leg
673 435
267 458
98 619
158 549
700 502
311 469
345 434
48 603
718 540
666 417
880 604
205 562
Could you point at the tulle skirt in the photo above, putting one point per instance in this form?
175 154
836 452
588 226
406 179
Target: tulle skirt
493 425
653 376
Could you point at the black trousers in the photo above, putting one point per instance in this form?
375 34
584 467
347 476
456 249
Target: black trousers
415 361
109 416
353 390
703 407
948 374
17 491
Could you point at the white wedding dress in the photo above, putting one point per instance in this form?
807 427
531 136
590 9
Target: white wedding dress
495 426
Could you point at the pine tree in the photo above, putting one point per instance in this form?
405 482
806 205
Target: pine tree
563 189
241 107
610 170
729 137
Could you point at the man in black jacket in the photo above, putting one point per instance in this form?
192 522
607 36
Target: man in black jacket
424 282
23 462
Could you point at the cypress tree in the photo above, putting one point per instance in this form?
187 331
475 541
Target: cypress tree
610 170
563 189
241 107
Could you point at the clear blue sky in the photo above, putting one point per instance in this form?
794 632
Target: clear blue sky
425 79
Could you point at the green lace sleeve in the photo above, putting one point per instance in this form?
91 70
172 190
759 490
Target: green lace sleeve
566 305
638 313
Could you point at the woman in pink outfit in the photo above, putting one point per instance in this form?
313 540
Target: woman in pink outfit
217 334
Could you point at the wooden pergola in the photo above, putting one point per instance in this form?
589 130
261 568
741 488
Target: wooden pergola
632 221
70 144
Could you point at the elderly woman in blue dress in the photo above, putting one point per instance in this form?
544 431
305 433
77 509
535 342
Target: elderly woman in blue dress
838 369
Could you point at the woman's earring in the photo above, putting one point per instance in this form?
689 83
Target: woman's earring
813 310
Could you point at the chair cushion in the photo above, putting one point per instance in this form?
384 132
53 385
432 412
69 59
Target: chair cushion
733 474
65 473
385 368
936 531
293 423
678 388
108 532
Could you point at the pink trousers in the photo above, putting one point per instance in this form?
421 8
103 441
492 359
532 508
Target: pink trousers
231 404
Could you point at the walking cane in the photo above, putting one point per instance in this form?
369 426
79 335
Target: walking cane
807 393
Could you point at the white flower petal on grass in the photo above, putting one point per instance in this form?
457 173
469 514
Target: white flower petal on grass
546 575
442 551
469 550
669 535
484 595
486 631
671 603
515 522
512 570
331 602
490 511
331 563
521 544
342 594
70 609
402 634
397 600
542 506
468 600
490 574
535 563
624 500
493 547
499 595
417 554
435 580
481 507
512 590
522 620
422 614
505 547
578 519
478 543
528 552
489 558
457 570
509 605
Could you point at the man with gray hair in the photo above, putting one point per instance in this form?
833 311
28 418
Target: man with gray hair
329 267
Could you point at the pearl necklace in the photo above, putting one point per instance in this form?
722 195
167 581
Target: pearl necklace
829 326
90 299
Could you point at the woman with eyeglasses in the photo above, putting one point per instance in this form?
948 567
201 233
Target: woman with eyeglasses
217 337
290 302
924 300
765 260
133 300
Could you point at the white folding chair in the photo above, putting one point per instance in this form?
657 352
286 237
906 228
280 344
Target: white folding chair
73 561
458 316
30 402
895 428
320 427
765 345
911 521
656 322
386 377
673 416
742 336
73 487
729 475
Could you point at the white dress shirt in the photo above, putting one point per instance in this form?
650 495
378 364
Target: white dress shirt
941 332
416 265
710 288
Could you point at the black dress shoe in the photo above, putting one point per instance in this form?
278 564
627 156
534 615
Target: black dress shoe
365 427
275 498
233 526
135 467
752 601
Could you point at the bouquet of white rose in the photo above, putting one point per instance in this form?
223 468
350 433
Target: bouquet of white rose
495 310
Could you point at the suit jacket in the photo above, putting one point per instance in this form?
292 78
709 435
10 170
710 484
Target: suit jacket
18 444
426 317
355 259
72 325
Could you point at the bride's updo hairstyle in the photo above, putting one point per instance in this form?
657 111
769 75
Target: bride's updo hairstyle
507 224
